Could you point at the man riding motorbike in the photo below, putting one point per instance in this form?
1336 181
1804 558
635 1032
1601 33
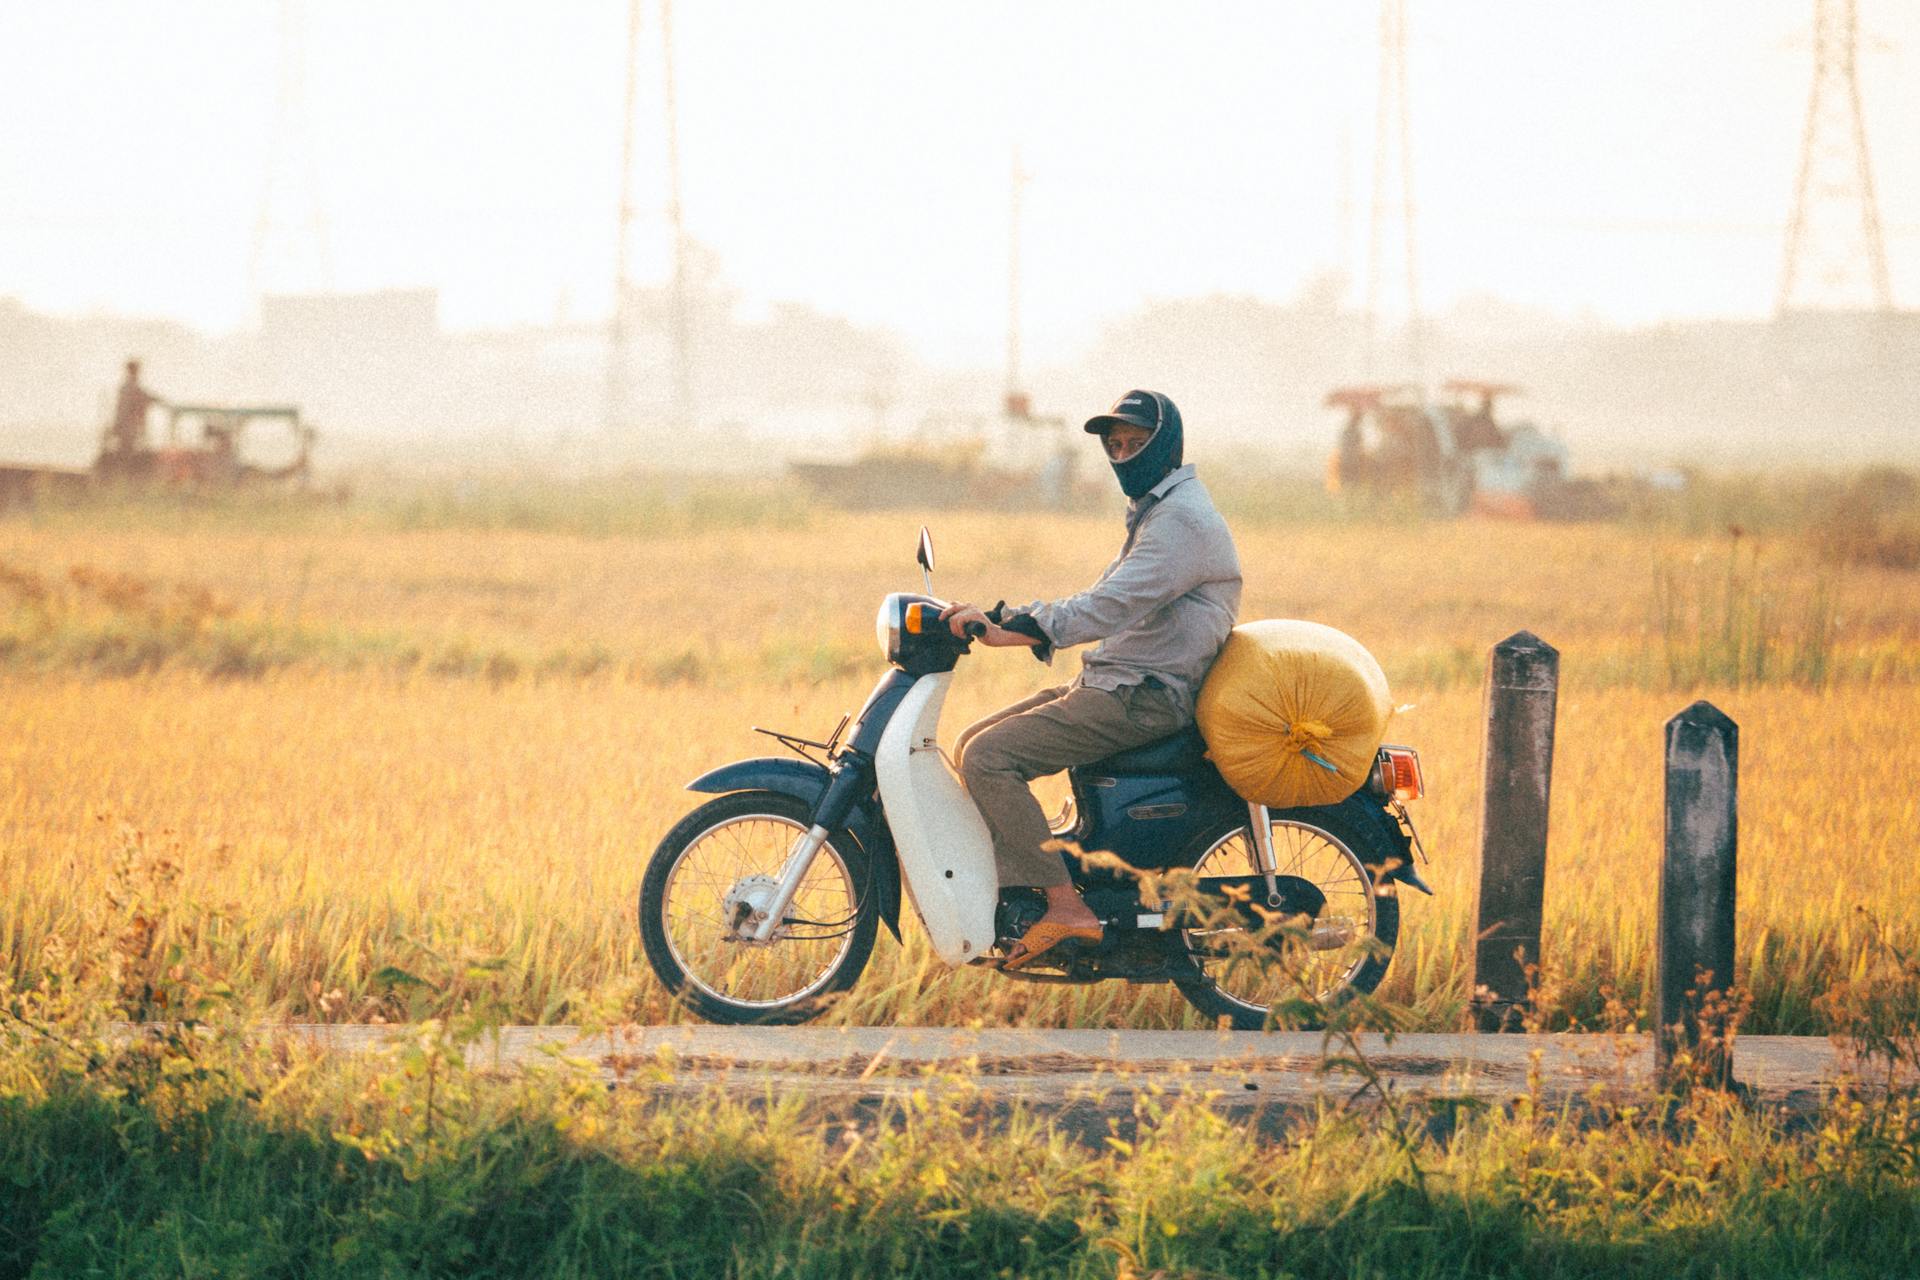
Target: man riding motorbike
1162 610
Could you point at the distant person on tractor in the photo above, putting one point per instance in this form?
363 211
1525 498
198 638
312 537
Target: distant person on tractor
126 435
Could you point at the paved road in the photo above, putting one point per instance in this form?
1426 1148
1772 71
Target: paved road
1089 1077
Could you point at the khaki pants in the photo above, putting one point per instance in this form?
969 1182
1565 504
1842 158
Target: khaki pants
1044 734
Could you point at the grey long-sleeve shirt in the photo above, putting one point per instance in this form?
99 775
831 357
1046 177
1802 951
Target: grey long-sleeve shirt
1164 607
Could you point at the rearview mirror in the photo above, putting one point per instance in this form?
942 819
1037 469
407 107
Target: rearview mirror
925 557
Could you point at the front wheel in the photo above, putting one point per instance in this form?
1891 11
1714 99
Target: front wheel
1347 946
714 871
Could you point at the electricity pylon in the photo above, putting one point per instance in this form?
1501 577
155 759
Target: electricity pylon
684 409
617 329
1390 119
1836 254
289 167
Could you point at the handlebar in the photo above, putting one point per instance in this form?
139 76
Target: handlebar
974 630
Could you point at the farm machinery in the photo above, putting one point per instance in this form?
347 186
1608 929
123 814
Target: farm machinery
202 449
205 448
1451 456
1029 463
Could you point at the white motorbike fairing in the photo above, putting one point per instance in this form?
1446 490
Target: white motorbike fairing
946 855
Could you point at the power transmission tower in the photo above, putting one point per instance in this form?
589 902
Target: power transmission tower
289 166
1344 207
1829 255
1390 118
617 329
1015 399
683 403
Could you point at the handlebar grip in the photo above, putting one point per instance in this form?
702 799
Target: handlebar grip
974 630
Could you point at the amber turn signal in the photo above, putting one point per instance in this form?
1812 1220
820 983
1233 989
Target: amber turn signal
1398 773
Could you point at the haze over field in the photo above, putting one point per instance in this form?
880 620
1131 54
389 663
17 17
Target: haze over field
1601 201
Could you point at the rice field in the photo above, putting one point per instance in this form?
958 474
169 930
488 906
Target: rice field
347 740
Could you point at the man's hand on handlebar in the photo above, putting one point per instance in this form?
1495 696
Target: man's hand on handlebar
969 621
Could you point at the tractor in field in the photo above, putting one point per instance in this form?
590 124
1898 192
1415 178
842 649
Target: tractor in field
1452 457
203 448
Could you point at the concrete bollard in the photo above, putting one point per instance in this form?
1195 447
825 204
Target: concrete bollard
1696 894
1523 681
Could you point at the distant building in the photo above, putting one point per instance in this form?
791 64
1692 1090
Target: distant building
373 361
383 317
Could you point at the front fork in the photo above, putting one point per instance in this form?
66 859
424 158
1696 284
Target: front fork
1326 935
851 777
1261 825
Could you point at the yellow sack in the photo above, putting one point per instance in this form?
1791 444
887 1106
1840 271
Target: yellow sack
1293 713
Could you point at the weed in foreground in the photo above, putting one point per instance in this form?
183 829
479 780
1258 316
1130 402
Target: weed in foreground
1876 1014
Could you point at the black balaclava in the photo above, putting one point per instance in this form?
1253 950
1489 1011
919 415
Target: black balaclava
1160 455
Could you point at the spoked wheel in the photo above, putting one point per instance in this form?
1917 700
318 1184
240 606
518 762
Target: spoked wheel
711 879
1350 941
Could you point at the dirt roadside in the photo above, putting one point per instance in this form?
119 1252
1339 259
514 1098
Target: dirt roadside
1089 1081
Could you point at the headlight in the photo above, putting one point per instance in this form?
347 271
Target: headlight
886 627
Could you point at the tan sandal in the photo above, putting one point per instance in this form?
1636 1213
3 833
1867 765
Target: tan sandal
1044 936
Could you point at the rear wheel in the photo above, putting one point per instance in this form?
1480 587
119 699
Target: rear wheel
1350 942
706 881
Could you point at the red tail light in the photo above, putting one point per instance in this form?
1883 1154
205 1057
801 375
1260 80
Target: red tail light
1396 773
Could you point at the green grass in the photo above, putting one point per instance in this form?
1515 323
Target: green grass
233 1161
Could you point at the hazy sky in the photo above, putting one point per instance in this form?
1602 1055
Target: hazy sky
1633 159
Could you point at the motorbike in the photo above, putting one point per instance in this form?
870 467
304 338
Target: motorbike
763 904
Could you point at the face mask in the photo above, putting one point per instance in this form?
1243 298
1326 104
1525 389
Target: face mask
1158 457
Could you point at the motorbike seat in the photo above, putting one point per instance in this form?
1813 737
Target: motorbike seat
1182 752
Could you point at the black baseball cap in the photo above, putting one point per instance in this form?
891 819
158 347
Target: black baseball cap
1146 409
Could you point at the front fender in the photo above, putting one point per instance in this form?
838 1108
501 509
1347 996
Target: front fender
807 782
801 779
